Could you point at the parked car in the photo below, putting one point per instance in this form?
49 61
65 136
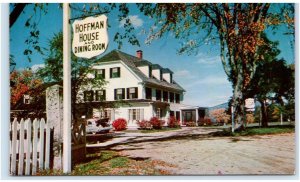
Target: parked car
94 126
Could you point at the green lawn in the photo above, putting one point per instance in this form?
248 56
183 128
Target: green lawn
249 131
109 163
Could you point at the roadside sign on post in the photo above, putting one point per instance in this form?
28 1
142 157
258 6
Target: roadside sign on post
90 36
250 104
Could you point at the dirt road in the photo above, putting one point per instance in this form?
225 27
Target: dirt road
197 155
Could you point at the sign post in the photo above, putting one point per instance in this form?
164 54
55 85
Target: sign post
66 90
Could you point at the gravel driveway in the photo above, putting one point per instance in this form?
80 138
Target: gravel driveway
190 151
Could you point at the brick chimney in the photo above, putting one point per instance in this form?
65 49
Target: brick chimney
139 54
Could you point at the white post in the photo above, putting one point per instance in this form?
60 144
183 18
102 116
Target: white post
232 119
197 116
66 90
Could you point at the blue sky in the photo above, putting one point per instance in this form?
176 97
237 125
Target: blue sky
201 75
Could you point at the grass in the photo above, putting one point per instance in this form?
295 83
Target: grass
111 163
250 131
160 130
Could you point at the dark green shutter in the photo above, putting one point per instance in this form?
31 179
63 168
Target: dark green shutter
104 95
115 94
110 72
136 92
127 93
119 72
123 93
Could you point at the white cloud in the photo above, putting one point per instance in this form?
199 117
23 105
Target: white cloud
36 67
208 60
183 73
135 21
212 80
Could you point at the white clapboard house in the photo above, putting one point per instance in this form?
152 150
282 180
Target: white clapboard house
147 89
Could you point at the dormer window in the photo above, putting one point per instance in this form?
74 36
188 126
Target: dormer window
100 73
115 72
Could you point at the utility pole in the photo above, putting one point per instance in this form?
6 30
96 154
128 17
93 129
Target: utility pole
66 90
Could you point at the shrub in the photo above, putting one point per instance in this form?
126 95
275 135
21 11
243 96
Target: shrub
144 124
205 122
156 123
173 123
190 123
119 124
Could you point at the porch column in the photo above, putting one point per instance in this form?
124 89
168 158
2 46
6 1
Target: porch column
181 118
197 116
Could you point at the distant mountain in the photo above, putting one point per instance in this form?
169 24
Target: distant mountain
220 106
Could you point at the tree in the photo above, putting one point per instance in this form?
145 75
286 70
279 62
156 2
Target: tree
273 80
238 27
23 83
80 69
220 115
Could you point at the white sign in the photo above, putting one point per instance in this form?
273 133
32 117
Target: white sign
90 36
249 103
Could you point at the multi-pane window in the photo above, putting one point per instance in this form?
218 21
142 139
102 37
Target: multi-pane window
100 95
132 93
115 72
100 73
165 96
158 113
158 95
88 95
148 93
119 93
136 114
171 97
177 98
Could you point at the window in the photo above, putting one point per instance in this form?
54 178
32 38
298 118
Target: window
88 95
165 96
132 93
26 99
136 114
115 72
100 95
148 93
158 95
119 93
158 113
177 98
100 74
172 97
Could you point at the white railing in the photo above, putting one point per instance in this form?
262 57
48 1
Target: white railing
31 146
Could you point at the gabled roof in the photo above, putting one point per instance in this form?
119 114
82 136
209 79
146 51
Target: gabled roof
133 62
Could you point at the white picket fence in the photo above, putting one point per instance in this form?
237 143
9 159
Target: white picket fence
29 146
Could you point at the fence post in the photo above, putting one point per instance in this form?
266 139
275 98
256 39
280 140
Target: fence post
47 153
41 156
34 147
14 147
28 152
21 149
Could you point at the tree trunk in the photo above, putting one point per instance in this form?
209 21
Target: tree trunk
238 104
264 122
